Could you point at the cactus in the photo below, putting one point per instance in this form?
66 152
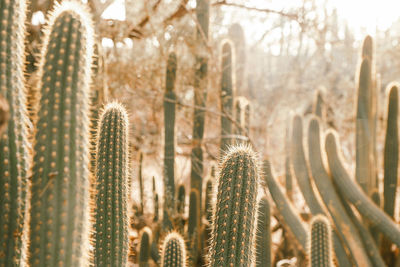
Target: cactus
318 107
356 196
390 167
263 240
300 167
208 200
344 225
59 226
320 242
193 231
180 207
288 170
155 202
144 252
173 251
233 229
227 91
284 207
169 145
141 184
238 119
246 123
111 220
236 34
200 94
14 147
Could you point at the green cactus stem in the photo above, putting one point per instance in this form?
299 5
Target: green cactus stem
200 94
193 231
238 119
169 145
180 207
236 34
235 211
208 200
356 196
144 252
247 115
291 218
320 242
14 146
263 239
288 170
59 226
111 219
226 95
155 202
345 228
173 251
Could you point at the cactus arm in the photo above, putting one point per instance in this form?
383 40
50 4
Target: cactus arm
320 241
356 196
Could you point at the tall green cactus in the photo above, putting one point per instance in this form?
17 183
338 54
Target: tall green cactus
227 83
200 94
144 252
180 204
346 229
233 229
14 155
169 145
320 242
193 230
356 196
263 240
111 219
173 251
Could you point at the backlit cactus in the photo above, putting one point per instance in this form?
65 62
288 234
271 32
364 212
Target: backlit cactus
144 252
14 146
59 226
235 211
320 242
111 219
173 251
263 239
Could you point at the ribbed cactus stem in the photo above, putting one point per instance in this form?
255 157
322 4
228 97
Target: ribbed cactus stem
169 145
193 233
13 135
263 241
226 95
208 200
356 196
233 229
320 242
59 226
173 251
111 219
144 252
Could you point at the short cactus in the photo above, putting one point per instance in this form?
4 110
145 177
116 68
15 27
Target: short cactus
59 226
320 242
173 251
13 135
144 252
235 212
263 240
111 219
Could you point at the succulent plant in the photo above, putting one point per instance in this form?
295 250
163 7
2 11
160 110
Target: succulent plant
144 252
320 242
173 251
193 230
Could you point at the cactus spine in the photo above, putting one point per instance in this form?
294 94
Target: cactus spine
263 241
320 242
169 145
173 251
200 94
60 189
14 140
111 219
233 230
226 95
356 196
144 253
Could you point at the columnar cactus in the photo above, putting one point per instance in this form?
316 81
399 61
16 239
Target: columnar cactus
346 228
180 203
169 145
144 252
208 200
14 146
200 94
193 232
356 196
320 242
263 240
288 170
284 207
238 118
141 184
173 251
111 219
236 34
247 115
155 202
227 84
59 226
235 212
